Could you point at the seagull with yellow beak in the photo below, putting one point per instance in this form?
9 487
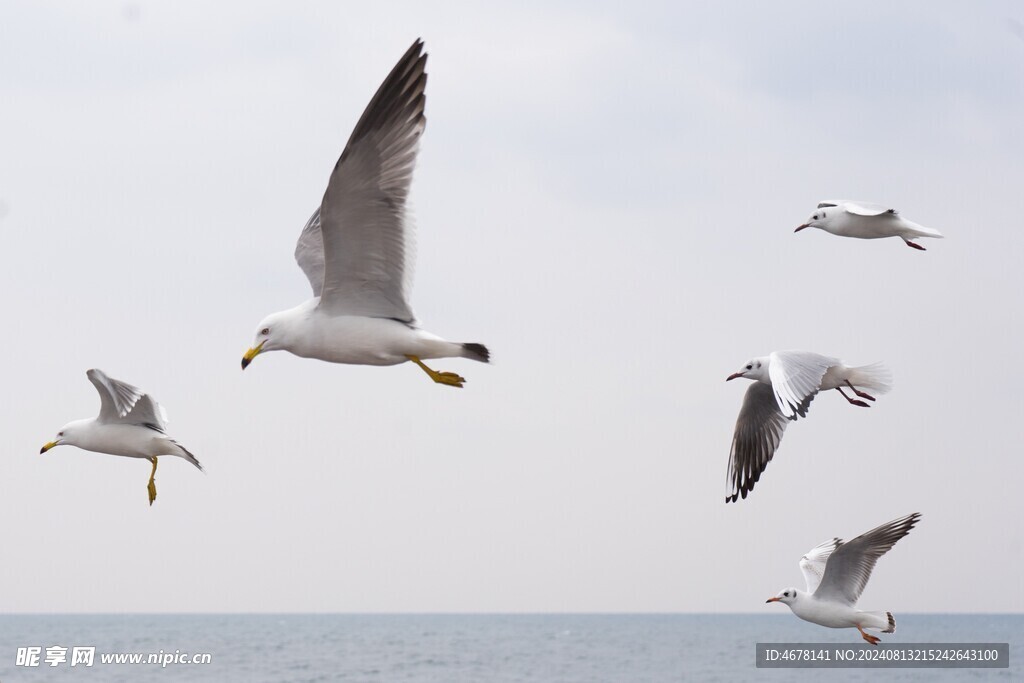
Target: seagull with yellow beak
130 423
356 249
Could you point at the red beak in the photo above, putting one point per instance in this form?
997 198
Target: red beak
805 225
734 376
771 600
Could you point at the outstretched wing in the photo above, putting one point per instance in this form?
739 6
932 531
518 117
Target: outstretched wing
796 378
857 208
813 563
849 567
309 252
123 403
367 238
116 398
755 439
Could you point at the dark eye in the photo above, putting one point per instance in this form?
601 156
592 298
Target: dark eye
60 433
749 367
265 331
814 217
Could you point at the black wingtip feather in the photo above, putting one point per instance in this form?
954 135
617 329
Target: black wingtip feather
404 87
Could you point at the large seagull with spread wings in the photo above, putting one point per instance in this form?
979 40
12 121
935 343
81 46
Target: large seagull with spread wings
356 249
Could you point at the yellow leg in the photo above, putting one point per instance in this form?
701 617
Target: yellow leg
151 487
449 378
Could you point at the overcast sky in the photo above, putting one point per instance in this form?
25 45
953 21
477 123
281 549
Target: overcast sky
605 196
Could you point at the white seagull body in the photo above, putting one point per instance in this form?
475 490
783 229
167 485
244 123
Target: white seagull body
866 221
836 574
785 383
130 424
356 249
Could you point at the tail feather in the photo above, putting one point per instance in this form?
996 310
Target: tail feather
476 352
879 621
927 232
188 456
919 230
875 376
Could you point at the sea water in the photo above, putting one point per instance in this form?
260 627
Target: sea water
563 648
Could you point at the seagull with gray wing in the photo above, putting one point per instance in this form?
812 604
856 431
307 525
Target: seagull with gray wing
130 423
836 574
356 249
785 383
866 221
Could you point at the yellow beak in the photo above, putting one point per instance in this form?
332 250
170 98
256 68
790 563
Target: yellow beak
250 354
47 447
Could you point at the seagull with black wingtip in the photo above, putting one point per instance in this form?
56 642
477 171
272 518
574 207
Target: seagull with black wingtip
836 574
131 423
784 384
356 249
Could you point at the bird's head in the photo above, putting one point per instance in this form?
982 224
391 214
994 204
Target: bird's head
68 434
786 596
819 219
755 369
282 330
268 338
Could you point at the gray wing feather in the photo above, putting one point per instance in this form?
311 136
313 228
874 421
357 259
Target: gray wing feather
121 402
149 413
116 398
366 234
309 252
849 566
755 439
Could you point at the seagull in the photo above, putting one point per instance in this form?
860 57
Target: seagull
356 248
836 574
785 383
866 221
130 423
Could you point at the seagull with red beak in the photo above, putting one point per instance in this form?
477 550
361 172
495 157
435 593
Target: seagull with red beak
836 574
784 384
866 221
